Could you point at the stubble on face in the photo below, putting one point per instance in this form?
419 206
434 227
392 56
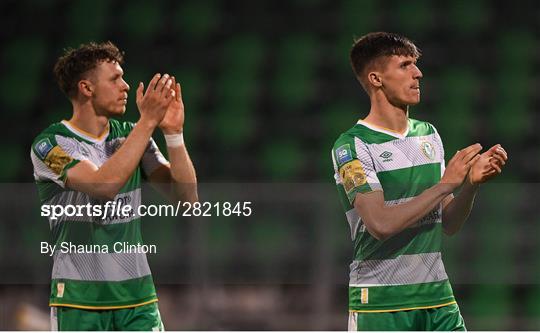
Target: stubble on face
401 81
110 91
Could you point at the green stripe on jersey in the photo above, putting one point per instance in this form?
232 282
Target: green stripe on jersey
105 294
400 296
424 239
119 129
409 182
419 128
368 135
48 190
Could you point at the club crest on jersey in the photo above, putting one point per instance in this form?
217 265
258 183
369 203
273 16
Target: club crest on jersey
43 147
428 149
344 154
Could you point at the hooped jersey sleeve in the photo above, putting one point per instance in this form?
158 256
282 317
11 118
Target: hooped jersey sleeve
353 167
152 158
52 158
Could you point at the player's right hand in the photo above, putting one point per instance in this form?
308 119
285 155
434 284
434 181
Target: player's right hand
458 167
489 165
154 102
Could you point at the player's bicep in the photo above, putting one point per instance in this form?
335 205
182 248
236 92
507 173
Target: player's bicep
368 203
369 206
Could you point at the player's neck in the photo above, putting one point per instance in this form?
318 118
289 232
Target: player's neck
85 119
386 115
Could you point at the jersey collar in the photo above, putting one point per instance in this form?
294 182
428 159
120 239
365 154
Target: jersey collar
384 130
85 135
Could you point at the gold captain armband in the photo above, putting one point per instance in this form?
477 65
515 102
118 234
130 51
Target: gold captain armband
57 159
352 175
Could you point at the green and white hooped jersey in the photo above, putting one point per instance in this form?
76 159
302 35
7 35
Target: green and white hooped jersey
405 271
93 279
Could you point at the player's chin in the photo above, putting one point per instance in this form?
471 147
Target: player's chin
413 100
117 112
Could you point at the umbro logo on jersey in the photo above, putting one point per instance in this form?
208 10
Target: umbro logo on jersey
386 155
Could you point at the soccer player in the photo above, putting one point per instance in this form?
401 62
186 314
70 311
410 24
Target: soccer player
398 196
92 159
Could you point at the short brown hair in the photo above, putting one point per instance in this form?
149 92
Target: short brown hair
375 45
70 67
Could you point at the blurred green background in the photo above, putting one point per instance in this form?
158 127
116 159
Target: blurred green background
268 88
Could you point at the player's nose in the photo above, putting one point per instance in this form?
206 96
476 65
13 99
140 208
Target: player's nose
417 73
125 85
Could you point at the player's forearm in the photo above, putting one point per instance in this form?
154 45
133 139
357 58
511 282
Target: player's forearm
113 174
183 176
387 221
459 209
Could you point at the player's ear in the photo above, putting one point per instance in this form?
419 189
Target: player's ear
374 78
86 88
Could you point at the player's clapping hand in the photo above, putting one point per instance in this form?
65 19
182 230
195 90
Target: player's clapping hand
173 122
153 103
488 165
458 167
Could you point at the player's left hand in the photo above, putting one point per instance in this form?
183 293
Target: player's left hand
173 122
488 166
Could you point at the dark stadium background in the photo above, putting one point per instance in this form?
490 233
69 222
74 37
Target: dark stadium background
268 88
